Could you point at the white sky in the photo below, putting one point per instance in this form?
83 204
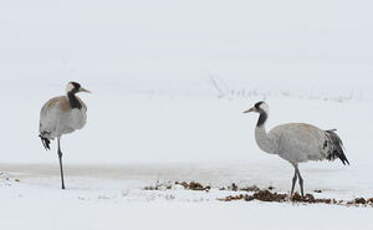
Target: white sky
160 42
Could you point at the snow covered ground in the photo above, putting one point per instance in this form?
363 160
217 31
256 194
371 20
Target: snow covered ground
170 81
160 139
113 197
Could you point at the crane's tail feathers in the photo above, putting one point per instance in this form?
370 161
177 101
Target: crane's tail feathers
46 142
335 147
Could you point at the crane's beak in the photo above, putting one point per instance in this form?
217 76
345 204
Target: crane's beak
250 110
84 90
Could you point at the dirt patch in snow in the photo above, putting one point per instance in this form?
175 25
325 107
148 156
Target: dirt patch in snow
233 187
268 196
253 193
262 195
194 186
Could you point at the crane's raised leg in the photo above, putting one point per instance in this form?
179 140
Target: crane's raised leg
300 180
59 153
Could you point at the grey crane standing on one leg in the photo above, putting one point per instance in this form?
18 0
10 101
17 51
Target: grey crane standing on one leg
62 115
297 142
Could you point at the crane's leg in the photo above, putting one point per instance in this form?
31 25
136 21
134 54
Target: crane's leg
300 180
59 153
294 182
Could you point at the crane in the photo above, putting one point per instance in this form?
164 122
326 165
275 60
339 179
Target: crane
62 115
297 142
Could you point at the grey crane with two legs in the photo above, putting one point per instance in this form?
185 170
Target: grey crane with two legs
62 115
297 142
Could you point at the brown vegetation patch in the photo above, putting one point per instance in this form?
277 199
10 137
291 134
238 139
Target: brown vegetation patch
262 195
268 196
235 188
194 186
310 199
158 187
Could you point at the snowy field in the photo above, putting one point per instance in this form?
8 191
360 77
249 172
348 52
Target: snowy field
170 80
157 139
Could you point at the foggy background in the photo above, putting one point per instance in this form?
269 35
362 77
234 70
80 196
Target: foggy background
174 46
137 56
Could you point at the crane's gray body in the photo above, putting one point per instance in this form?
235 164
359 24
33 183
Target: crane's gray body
296 142
57 117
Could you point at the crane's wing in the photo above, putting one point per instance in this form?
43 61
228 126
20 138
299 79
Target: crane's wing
50 116
298 142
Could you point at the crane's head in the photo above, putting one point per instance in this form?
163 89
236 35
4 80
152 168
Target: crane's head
260 107
75 87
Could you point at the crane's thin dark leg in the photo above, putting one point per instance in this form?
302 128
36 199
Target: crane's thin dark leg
300 180
59 153
293 183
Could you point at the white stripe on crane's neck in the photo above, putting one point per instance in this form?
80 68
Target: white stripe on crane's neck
265 142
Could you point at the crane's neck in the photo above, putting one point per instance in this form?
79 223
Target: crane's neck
74 101
264 141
